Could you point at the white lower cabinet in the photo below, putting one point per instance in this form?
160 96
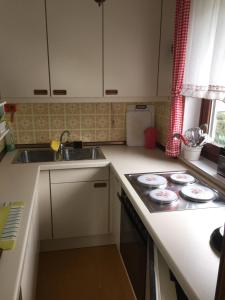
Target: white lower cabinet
115 208
28 280
80 208
165 287
44 203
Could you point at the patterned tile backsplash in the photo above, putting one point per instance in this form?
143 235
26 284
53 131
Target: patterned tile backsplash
89 122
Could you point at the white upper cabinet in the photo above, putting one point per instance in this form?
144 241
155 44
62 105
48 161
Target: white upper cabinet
23 53
131 47
75 47
166 43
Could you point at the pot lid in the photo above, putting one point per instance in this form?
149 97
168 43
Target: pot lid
182 178
152 180
198 193
163 196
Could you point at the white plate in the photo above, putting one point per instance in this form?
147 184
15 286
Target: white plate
182 178
152 180
198 193
163 195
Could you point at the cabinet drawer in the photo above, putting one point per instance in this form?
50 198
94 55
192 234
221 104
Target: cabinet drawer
77 175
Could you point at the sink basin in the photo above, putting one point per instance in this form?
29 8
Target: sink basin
34 155
47 155
80 154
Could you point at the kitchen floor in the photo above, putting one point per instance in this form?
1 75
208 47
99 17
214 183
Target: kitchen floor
94 273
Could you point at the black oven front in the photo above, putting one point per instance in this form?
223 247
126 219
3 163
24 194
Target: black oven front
137 251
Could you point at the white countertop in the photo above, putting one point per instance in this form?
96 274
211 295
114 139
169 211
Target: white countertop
182 237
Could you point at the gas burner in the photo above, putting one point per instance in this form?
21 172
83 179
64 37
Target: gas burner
191 193
163 196
182 178
197 193
152 180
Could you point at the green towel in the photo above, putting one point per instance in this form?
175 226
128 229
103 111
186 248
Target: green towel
10 243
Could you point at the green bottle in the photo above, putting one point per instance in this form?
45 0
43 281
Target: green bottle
9 141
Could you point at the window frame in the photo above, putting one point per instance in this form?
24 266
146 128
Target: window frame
210 151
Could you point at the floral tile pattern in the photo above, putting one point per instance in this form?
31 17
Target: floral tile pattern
118 121
24 109
102 121
42 136
42 122
74 135
88 122
72 108
56 108
57 122
119 108
72 122
25 122
88 108
26 137
117 135
88 135
103 108
102 135
40 108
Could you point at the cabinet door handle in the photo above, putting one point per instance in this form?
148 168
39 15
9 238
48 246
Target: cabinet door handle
40 92
100 184
111 92
100 2
59 92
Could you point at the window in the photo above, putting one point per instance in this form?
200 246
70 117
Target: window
217 123
213 113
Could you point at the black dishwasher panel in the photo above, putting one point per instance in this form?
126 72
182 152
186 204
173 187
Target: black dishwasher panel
136 249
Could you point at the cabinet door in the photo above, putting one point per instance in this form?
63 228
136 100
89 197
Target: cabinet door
166 43
30 266
44 203
75 47
115 208
79 209
131 47
23 52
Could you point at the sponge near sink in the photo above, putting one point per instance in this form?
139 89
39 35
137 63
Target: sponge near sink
55 145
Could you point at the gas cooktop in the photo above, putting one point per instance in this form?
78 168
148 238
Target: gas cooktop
174 191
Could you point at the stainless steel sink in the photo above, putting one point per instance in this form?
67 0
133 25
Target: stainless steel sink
84 153
47 155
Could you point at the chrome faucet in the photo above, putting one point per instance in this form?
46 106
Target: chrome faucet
61 146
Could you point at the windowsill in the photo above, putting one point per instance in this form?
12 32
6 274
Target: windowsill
208 169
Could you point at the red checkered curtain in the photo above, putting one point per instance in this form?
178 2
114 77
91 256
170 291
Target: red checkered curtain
179 55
